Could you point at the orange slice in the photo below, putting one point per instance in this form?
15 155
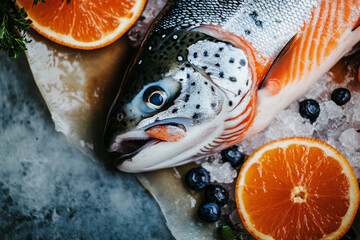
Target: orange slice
83 24
297 188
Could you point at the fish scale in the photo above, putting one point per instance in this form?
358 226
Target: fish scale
185 13
279 19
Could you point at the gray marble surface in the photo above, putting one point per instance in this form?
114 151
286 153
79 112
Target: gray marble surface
48 188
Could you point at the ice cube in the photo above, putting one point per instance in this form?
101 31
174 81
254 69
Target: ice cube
331 116
253 143
350 139
354 160
319 89
219 172
322 123
289 123
354 120
334 111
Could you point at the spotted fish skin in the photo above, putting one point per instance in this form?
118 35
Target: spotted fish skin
268 25
213 73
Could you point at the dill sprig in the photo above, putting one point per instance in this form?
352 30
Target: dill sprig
13 26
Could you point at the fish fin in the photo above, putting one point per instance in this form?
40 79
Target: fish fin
284 54
357 25
271 82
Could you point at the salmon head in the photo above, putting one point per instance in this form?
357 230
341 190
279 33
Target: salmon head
179 101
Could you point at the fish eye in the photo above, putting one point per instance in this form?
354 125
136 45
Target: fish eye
155 97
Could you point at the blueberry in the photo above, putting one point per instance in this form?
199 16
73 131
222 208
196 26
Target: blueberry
233 156
309 109
341 96
197 178
350 235
209 212
217 194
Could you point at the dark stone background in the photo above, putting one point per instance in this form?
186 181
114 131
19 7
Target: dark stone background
48 188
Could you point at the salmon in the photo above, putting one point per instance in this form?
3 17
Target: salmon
211 74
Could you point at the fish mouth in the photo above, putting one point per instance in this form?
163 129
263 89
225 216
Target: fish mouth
131 143
129 147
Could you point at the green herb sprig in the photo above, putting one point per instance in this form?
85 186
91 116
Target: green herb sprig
13 26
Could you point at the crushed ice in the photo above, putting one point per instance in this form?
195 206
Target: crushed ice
219 172
339 126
